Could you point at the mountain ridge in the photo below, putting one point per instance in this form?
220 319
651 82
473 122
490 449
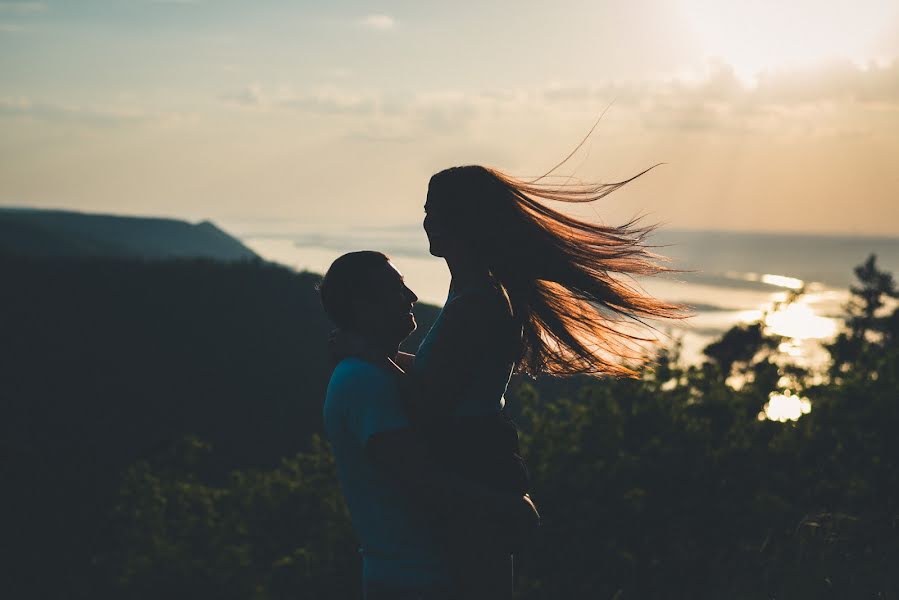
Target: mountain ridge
61 233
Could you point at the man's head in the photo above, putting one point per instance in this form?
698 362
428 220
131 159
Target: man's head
364 293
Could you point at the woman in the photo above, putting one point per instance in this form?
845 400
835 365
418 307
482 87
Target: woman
533 291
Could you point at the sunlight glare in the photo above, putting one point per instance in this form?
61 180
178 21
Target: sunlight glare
785 406
783 281
799 321
753 37
790 348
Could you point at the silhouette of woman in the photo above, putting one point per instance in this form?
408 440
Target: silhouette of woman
533 291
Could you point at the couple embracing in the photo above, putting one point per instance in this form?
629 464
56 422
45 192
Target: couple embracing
427 458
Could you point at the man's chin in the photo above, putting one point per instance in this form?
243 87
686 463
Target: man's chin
411 326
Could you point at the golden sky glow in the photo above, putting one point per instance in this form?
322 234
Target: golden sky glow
769 115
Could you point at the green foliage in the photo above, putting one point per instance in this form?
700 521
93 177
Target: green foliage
670 486
857 352
260 534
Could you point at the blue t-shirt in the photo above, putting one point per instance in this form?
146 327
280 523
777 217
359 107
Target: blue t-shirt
398 545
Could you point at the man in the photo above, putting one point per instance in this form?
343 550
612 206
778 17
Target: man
420 527
364 293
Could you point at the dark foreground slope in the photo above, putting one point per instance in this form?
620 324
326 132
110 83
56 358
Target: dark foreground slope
47 233
122 355
105 362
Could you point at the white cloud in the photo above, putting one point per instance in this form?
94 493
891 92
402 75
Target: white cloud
378 22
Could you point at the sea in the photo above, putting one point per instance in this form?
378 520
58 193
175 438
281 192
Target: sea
796 284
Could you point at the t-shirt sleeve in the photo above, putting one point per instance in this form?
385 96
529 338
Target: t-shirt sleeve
371 403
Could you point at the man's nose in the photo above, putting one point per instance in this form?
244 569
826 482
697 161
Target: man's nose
411 295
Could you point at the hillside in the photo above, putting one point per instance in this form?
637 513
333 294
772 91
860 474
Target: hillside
106 362
127 354
32 232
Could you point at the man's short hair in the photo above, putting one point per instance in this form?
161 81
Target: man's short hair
348 279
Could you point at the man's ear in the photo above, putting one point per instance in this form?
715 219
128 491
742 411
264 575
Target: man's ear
361 311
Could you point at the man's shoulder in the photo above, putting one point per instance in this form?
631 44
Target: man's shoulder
354 375
352 368
362 399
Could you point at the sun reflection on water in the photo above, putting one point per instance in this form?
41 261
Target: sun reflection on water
785 406
790 315
793 315
799 321
783 281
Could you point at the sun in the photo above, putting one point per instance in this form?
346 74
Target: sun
765 35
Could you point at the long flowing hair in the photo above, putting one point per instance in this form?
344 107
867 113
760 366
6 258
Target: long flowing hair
570 282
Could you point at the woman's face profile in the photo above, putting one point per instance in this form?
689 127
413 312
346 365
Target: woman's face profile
455 216
435 224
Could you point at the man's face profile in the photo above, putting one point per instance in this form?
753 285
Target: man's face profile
387 310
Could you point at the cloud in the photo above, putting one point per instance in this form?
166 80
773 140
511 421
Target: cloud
378 22
327 101
331 103
835 99
445 112
248 97
375 136
835 81
22 8
372 117
58 113
722 101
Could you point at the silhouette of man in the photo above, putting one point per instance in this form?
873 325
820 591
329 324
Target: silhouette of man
364 293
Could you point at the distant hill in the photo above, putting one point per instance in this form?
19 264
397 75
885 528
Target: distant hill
32 232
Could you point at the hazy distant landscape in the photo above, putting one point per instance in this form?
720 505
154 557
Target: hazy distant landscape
728 277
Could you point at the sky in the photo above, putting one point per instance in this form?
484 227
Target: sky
267 115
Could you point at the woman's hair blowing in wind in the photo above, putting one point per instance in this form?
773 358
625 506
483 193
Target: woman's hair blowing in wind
570 282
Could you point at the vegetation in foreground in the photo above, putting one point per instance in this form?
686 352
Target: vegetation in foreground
664 487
